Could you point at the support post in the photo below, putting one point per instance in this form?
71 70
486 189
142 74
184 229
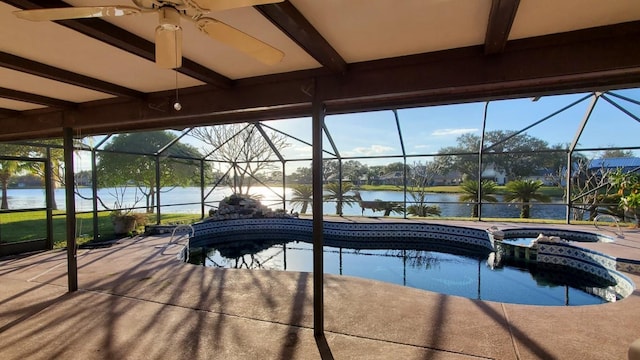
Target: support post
404 162
158 214
316 171
284 186
94 194
339 203
480 151
72 264
202 185
50 193
568 189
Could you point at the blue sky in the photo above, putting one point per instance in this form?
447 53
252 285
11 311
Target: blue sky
427 129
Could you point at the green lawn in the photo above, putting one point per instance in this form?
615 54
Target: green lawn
21 226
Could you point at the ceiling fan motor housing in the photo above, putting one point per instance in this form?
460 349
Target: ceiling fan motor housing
169 38
169 18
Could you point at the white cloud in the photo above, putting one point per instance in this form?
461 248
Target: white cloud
445 132
301 151
371 150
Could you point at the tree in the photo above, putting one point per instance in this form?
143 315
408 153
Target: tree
330 170
244 148
592 191
615 153
523 191
339 195
9 168
517 155
396 167
354 170
420 177
303 196
56 157
118 170
470 189
462 157
373 172
301 175
628 185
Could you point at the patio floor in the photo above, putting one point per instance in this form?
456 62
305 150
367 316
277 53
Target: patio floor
137 301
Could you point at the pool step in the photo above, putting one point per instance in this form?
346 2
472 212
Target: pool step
517 252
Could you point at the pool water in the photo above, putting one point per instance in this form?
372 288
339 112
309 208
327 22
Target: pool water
444 271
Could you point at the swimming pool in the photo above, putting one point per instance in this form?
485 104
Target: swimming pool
445 259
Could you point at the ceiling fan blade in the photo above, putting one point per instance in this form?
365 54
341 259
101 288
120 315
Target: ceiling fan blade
168 47
237 39
75 12
219 5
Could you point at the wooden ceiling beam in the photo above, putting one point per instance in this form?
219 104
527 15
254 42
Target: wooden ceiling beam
122 39
591 59
291 22
38 69
35 99
9 113
501 17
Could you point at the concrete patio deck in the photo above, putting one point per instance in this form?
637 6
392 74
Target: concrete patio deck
137 301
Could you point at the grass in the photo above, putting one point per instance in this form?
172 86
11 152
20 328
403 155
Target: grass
31 225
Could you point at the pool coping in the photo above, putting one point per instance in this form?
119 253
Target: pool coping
567 252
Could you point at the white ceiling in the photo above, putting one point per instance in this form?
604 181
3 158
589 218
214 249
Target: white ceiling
359 30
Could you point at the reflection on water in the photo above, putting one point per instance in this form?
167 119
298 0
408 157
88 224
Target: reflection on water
443 270
187 200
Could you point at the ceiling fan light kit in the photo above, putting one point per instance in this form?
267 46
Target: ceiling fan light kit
168 35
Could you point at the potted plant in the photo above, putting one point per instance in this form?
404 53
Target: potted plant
123 218
125 222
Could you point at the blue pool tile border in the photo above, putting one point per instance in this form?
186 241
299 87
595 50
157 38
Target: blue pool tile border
381 234
356 232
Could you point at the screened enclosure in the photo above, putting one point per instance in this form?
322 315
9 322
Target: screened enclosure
551 158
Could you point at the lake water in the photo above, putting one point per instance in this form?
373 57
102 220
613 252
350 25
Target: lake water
187 200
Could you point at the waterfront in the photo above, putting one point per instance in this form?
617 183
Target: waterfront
187 200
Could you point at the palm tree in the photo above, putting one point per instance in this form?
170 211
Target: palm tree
523 191
391 207
424 210
303 196
470 189
339 195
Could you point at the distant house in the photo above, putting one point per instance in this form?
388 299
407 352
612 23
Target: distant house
397 178
543 175
497 176
358 181
450 178
626 164
598 166
392 178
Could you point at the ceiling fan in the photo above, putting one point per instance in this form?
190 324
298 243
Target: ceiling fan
168 36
